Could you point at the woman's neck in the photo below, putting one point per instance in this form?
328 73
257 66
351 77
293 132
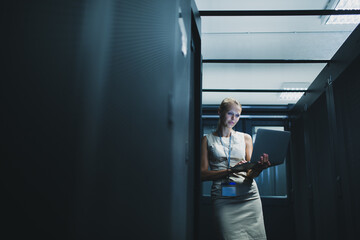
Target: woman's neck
224 132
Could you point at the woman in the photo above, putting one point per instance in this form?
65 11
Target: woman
236 200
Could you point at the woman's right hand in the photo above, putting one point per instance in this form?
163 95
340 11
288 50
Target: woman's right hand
237 168
241 162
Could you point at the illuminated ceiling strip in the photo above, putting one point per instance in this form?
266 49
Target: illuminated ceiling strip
255 90
215 13
263 61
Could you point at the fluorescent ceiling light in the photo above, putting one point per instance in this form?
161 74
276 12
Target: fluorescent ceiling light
293 96
345 19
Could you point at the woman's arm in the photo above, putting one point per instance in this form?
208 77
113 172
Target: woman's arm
206 174
263 161
248 147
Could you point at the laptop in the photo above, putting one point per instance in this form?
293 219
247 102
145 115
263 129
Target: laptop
273 142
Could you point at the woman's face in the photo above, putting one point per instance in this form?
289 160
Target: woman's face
231 116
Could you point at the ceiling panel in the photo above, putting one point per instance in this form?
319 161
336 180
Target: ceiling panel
257 76
260 4
319 46
246 98
276 24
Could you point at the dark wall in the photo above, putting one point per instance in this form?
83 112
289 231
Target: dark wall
302 201
325 162
347 113
95 112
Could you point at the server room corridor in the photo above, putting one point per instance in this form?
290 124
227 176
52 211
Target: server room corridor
104 104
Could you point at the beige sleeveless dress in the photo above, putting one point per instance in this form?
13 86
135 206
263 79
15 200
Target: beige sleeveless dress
238 217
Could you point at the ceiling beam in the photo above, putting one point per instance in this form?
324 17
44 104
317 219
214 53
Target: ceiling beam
277 12
263 61
253 90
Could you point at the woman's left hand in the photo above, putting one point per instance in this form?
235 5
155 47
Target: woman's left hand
264 162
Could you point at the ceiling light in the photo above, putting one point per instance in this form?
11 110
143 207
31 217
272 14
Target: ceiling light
292 96
345 19
293 86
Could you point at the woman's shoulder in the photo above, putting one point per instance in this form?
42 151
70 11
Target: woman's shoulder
209 136
244 135
212 135
237 133
208 139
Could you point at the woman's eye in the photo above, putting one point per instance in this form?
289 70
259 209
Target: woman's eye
232 114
